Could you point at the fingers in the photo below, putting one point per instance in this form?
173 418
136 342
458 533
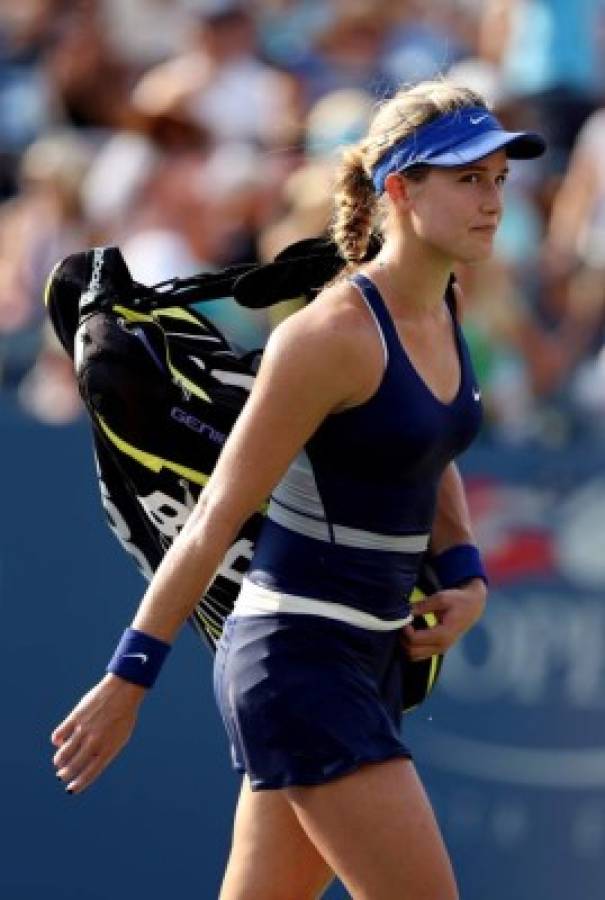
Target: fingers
420 655
420 645
82 759
73 766
436 603
78 769
431 637
69 748
426 642
89 773
459 607
449 613
64 731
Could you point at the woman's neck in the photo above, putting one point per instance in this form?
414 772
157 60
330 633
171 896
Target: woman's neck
412 276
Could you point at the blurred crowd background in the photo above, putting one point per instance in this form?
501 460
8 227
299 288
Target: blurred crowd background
199 133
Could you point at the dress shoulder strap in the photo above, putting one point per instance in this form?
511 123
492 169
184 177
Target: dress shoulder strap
379 311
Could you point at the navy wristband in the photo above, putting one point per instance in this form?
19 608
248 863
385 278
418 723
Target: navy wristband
138 658
457 565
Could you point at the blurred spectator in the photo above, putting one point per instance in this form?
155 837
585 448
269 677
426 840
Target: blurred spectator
49 391
577 227
28 104
426 39
222 82
551 55
520 353
126 159
92 82
145 32
575 251
287 28
347 53
336 119
171 232
193 213
197 215
306 208
39 226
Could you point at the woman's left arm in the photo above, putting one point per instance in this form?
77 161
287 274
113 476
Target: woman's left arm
458 607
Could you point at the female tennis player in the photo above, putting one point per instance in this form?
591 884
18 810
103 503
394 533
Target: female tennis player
363 400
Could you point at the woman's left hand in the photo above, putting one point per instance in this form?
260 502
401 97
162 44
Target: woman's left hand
456 610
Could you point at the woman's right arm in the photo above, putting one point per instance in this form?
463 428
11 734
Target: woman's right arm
311 366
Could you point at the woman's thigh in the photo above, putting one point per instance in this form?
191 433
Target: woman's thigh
271 856
376 829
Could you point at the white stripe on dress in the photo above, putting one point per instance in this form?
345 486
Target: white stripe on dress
254 600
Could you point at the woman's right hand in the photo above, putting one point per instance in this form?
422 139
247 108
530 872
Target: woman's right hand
95 731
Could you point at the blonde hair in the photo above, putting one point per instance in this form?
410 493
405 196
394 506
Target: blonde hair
356 204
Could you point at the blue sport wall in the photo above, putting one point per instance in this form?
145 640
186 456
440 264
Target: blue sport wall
511 746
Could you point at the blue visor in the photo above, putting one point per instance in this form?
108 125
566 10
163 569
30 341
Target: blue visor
456 139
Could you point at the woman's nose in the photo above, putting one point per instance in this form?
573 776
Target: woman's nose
492 199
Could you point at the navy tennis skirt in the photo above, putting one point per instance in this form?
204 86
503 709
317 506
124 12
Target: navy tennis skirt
306 699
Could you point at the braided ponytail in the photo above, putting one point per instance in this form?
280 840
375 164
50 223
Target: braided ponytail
354 205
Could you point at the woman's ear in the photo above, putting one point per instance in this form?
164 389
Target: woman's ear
398 189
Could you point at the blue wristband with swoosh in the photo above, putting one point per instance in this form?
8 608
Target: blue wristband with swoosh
138 657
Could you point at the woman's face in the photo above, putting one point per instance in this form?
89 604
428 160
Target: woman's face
457 211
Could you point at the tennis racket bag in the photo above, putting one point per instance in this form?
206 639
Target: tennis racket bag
163 387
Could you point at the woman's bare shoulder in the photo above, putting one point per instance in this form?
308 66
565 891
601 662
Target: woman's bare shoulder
339 313
335 335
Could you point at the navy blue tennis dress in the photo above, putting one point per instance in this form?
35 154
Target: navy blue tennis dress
308 671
